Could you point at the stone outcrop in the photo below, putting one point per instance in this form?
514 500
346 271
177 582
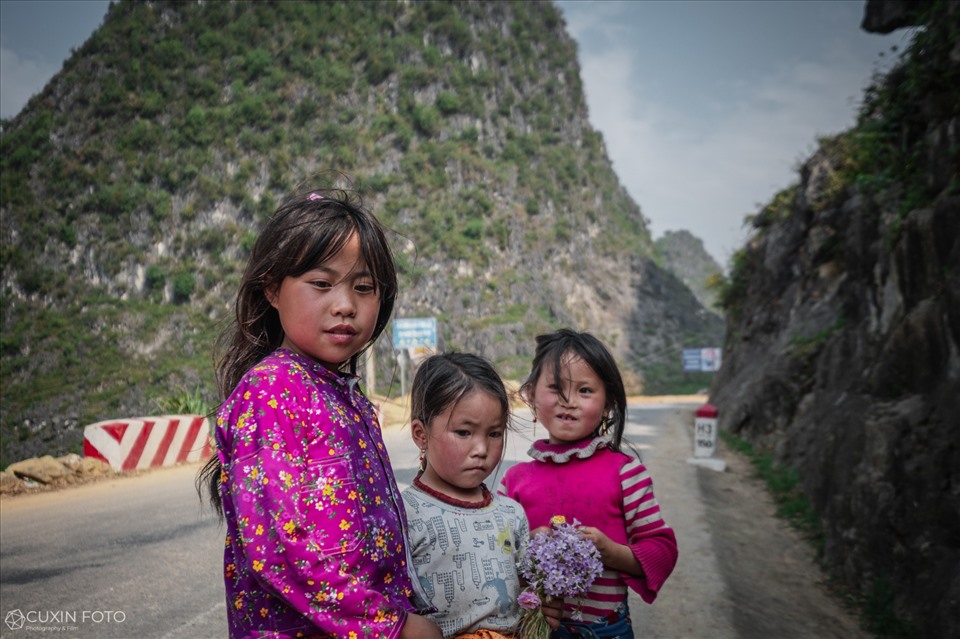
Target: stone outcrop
46 472
887 16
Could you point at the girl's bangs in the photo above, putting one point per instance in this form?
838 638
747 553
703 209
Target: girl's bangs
318 248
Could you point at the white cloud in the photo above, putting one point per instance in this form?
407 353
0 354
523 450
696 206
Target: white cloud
705 170
707 109
20 79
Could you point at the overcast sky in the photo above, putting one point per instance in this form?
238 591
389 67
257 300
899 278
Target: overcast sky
707 107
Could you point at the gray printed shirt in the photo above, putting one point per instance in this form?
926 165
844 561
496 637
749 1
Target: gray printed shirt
466 560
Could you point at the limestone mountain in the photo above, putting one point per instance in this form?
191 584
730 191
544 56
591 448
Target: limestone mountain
842 354
684 256
133 185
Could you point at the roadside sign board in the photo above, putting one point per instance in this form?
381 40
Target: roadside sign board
697 360
710 359
415 332
691 360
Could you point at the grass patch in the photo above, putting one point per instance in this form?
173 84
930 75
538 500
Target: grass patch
784 486
182 401
878 616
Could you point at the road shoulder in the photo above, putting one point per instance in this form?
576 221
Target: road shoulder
742 571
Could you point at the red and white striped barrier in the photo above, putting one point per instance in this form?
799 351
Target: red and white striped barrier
148 442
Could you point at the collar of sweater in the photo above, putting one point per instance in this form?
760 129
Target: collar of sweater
543 450
341 378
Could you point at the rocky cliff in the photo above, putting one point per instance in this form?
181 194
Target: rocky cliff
842 354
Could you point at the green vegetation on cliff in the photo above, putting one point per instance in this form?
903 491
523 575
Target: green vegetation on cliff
901 152
133 186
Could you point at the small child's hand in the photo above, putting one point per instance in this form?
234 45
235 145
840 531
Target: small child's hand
613 555
553 612
603 543
417 627
539 530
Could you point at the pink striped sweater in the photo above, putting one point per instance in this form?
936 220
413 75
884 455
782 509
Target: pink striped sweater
608 490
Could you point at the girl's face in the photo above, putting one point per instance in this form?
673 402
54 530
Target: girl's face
577 416
463 444
329 313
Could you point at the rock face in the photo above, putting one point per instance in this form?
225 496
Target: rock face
842 358
890 15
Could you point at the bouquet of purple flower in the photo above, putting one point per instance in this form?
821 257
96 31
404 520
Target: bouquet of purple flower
560 563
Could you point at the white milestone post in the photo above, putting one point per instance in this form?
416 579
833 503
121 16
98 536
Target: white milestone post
705 439
371 371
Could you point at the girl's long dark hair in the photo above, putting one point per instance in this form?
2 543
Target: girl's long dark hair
308 228
550 351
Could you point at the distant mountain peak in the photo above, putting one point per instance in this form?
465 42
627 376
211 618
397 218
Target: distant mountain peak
685 256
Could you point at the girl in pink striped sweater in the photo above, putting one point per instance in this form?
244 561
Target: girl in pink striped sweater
575 390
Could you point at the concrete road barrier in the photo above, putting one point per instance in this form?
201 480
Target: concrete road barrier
148 442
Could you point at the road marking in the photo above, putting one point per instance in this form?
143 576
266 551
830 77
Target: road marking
189 629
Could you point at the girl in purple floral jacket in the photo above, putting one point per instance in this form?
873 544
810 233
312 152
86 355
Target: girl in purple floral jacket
316 528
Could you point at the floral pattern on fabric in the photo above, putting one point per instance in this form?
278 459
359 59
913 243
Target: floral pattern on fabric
315 524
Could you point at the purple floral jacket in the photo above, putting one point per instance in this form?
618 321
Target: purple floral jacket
315 525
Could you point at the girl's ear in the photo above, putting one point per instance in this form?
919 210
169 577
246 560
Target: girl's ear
419 433
271 294
611 405
526 394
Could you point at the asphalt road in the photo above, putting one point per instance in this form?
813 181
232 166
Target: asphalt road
138 557
129 557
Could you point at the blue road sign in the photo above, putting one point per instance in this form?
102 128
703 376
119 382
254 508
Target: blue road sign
691 360
415 332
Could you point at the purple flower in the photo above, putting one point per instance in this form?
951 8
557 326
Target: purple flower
561 563
528 600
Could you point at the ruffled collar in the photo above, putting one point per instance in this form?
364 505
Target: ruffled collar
543 450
